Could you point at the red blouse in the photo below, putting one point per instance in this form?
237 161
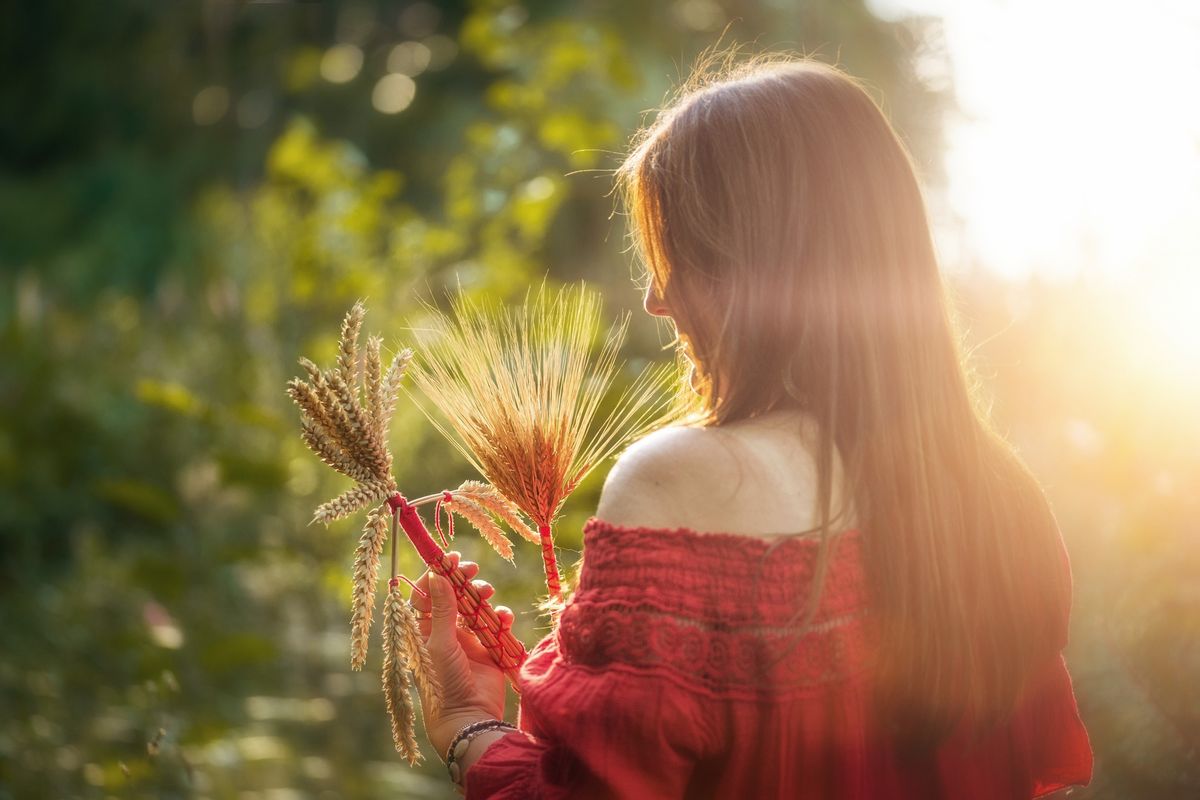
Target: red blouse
649 687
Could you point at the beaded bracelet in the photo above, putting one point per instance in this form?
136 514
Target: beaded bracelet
462 741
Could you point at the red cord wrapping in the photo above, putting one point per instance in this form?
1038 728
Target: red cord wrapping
549 562
428 550
499 654
437 518
415 588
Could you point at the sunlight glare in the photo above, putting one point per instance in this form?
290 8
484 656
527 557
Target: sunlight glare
1068 150
1171 320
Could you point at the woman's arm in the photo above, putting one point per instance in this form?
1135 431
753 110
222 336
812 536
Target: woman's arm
584 728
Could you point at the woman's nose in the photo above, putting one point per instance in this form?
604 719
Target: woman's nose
653 304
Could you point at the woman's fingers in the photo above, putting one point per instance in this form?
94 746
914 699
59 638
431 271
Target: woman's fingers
442 637
473 647
471 644
506 617
466 638
485 590
420 599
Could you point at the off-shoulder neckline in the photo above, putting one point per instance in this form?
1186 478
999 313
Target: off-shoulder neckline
685 532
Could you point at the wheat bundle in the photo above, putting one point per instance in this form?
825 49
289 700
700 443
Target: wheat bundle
344 415
521 389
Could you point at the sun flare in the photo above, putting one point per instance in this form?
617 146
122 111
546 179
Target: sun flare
1170 319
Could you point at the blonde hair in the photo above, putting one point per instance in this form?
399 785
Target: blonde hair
779 217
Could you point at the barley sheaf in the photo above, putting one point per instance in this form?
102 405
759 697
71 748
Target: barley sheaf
519 392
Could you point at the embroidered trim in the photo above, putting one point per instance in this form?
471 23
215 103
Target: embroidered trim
716 610
722 660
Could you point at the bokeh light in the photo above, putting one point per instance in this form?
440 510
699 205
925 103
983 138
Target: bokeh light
210 104
393 93
341 63
409 58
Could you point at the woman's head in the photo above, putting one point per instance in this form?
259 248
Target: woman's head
782 228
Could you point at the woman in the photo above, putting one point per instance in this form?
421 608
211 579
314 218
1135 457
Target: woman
838 581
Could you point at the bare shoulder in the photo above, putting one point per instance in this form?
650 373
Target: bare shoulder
756 478
657 479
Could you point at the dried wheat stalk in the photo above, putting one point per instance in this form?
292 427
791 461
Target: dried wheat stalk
345 413
538 434
344 416
534 437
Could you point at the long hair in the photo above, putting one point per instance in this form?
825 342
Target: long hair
779 217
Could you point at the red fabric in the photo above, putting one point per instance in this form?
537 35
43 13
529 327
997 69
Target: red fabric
648 688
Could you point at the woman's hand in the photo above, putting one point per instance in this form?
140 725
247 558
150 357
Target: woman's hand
472 684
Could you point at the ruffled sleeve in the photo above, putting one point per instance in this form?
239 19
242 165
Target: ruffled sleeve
1056 743
602 712
1043 749
589 733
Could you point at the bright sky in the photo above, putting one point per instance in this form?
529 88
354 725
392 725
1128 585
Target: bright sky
1078 147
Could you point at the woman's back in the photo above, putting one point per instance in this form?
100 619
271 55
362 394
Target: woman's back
675 669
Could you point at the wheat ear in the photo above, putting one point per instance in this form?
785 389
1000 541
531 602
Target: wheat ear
420 662
347 360
373 385
479 518
354 499
366 576
490 498
396 681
